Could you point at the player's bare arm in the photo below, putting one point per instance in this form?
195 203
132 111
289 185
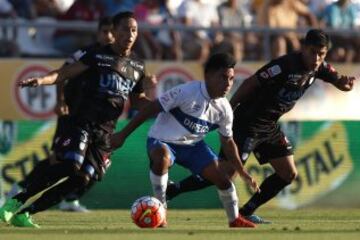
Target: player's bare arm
246 89
139 100
119 138
59 75
345 83
231 153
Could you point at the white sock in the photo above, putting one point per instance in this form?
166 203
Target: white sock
229 200
159 185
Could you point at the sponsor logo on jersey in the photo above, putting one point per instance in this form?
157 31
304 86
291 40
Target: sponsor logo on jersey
274 70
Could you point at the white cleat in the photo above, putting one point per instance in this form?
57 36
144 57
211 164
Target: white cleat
73 206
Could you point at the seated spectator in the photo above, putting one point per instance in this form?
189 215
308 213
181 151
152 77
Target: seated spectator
232 14
8 47
284 14
69 41
342 15
197 13
114 6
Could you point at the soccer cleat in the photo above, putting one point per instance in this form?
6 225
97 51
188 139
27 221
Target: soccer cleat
256 219
8 210
73 206
241 222
23 220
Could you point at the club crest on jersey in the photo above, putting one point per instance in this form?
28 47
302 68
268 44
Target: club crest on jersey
66 142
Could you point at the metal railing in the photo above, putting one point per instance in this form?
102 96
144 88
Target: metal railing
8 25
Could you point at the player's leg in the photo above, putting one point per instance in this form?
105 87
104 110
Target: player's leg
197 182
70 153
161 158
278 152
48 199
71 203
35 173
201 159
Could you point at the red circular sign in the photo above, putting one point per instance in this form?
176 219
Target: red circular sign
171 77
39 102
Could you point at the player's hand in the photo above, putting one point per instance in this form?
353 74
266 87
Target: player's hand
29 82
61 109
117 140
347 82
249 180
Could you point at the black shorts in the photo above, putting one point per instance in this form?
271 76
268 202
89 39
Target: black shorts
62 123
85 146
264 146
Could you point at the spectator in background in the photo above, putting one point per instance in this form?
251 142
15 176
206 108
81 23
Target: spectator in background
24 8
232 13
114 6
68 41
159 44
8 47
47 8
342 15
317 6
197 13
284 14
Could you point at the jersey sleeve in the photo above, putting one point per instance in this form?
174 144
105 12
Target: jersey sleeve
88 58
172 98
139 86
225 125
327 73
270 73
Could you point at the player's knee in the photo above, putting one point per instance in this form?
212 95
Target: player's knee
291 176
223 184
160 159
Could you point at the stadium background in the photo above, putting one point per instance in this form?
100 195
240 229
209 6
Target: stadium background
324 128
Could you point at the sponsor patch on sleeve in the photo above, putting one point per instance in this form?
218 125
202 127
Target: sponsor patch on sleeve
274 70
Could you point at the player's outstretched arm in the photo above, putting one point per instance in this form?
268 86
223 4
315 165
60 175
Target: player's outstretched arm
118 139
53 77
345 83
231 152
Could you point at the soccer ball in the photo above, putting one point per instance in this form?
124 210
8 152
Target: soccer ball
148 212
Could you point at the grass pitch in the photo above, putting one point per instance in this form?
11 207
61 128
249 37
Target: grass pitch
329 224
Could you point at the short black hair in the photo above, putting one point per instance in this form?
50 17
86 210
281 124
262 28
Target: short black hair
122 15
317 37
219 60
105 21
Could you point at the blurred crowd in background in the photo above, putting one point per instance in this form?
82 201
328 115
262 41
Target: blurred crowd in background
163 44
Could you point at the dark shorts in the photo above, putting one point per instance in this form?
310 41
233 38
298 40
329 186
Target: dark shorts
194 157
264 146
84 146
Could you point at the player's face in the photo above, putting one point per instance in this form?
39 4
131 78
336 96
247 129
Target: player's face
105 35
314 56
220 82
125 33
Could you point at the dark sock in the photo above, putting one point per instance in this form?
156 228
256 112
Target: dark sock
79 193
54 195
191 183
270 187
52 174
37 172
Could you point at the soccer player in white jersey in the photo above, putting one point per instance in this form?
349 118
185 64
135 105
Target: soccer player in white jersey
186 114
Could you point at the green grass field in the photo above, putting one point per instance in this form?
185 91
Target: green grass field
304 224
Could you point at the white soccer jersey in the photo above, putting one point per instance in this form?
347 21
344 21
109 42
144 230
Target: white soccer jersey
189 114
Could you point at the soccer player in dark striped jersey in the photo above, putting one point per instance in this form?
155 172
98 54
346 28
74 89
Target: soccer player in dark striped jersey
82 150
259 103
